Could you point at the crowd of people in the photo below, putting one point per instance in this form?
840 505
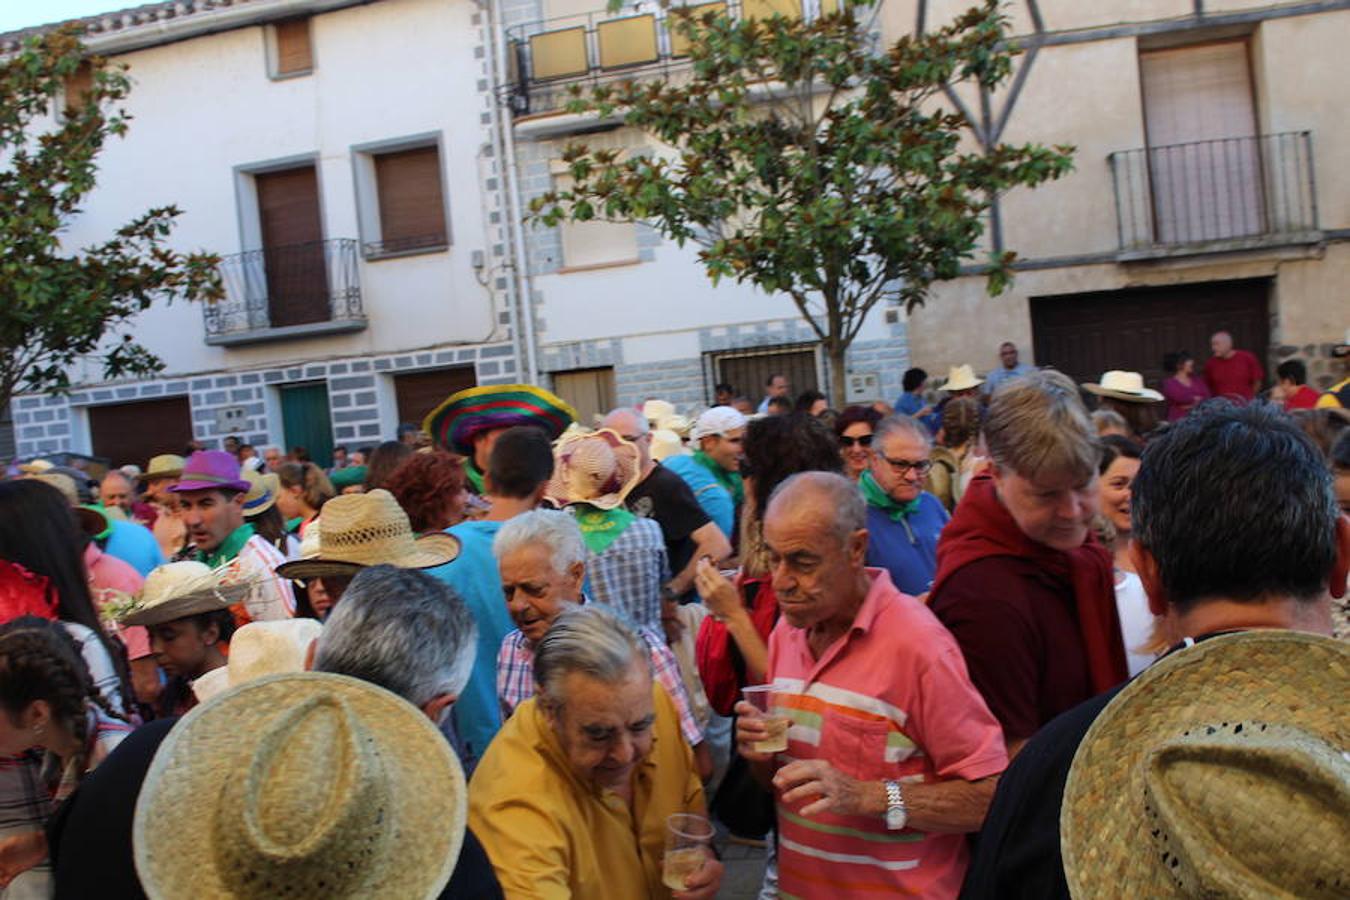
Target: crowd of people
983 642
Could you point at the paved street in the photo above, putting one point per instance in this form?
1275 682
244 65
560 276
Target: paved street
745 870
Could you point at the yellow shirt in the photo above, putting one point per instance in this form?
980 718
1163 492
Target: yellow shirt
1328 400
551 836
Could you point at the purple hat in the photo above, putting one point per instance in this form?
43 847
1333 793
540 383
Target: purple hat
210 470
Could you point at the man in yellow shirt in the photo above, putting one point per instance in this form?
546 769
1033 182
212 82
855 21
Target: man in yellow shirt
571 798
1338 395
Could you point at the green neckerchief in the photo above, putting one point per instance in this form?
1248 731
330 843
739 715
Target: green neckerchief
475 477
601 527
883 501
228 549
730 480
293 525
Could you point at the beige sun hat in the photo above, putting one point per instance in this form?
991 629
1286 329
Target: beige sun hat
666 444
678 424
179 589
369 529
657 411
259 649
1128 386
307 785
166 465
961 378
262 491
36 466
598 468
1221 771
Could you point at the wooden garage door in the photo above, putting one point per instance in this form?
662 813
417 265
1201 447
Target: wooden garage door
134 432
419 393
749 371
1083 335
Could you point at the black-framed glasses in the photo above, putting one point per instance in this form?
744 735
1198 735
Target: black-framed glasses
903 466
863 441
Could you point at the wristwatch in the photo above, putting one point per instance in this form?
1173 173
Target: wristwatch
896 814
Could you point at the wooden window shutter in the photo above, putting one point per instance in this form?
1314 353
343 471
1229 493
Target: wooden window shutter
412 209
78 86
294 53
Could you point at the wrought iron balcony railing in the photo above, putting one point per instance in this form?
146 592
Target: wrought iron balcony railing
547 57
1227 192
280 292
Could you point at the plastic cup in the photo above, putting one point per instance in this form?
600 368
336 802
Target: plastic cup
688 839
763 698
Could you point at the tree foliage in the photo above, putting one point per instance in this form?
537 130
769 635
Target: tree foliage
60 306
802 160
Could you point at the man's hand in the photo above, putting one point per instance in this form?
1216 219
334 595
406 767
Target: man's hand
703 884
750 728
20 853
835 791
719 594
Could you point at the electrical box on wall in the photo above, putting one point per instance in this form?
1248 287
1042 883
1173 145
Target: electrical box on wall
863 387
231 418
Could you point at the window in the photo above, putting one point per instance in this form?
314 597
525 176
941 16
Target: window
400 199
589 391
78 85
597 242
291 52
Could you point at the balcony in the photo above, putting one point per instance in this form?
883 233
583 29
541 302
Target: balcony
1215 196
548 57
280 293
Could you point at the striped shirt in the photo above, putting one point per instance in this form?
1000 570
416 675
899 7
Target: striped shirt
890 699
271 597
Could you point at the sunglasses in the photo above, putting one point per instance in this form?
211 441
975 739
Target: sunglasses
864 441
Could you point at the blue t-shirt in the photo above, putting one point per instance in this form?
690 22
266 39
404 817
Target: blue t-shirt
135 545
474 576
908 548
909 404
716 500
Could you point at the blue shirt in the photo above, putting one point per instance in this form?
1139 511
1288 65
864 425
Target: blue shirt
909 404
135 545
907 548
474 576
716 500
998 376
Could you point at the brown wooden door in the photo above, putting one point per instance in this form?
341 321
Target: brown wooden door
748 372
1084 335
418 393
134 432
293 250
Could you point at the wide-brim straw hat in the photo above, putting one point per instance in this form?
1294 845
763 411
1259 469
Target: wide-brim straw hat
666 444
1127 386
179 589
36 466
961 378
166 465
371 529
1220 771
654 411
259 649
464 414
262 491
598 468
307 785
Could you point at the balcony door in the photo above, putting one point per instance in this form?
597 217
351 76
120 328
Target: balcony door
1203 150
293 248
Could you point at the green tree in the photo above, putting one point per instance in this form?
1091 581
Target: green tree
802 160
60 305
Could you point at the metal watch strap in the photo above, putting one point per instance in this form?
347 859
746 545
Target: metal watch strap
896 813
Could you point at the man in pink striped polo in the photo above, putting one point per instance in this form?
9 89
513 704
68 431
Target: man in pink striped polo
892 754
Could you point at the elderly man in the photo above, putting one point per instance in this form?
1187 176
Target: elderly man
273 458
1203 582
117 492
893 754
1232 373
573 795
713 471
665 497
903 520
398 629
542 559
1022 582
1008 369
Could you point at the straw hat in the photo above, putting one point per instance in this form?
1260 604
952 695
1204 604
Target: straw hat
370 529
307 785
179 589
260 649
656 411
92 520
665 444
454 424
1219 771
961 378
166 465
262 491
1128 386
598 468
36 466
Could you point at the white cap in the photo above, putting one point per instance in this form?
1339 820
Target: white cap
717 421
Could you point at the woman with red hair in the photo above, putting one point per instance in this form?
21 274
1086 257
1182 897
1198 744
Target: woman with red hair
430 488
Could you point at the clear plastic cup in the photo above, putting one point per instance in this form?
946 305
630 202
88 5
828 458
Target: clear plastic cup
688 845
763 698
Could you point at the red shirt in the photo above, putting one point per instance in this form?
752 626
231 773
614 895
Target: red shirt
1303 398
1234 376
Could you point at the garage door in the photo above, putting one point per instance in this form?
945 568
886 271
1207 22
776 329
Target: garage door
748 371
1083 335
134 432
418 393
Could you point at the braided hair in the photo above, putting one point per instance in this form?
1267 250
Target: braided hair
39 660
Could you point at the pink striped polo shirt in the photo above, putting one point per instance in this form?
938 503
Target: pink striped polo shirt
889 700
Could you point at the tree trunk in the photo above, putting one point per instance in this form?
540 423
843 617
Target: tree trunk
835 352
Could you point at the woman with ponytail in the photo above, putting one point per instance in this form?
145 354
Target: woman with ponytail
304 491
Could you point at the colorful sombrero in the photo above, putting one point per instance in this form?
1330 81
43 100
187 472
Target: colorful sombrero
453 424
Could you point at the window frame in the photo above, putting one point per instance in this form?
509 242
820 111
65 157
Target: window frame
272 49
367 192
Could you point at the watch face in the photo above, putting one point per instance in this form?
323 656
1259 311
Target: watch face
895 819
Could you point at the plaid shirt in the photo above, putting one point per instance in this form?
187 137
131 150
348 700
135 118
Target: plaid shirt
629 574
515 678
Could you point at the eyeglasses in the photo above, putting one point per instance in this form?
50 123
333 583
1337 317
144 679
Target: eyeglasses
864 441
903 466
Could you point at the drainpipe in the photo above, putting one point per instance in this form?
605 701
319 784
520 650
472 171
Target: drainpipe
504 146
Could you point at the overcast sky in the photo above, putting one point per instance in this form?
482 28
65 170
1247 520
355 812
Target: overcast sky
16 14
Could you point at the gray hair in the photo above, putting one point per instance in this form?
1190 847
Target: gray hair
403 630
842 500
640 424
1037 423
552 528
592 640
901 423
